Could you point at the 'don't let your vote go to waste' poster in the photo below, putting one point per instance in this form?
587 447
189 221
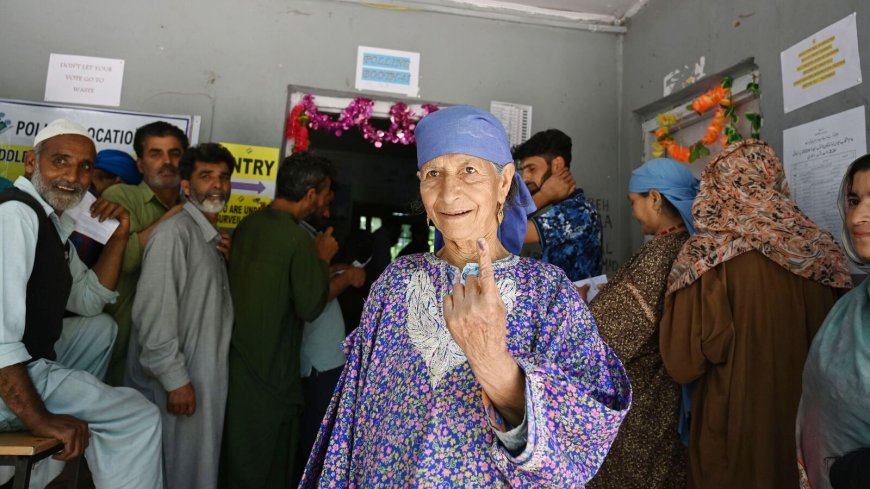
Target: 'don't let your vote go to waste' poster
253 184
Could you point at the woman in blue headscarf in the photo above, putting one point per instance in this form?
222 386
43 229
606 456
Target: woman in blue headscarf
647 452
471 367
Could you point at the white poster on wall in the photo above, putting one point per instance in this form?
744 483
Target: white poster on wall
84 80
821 65
816 156
388 70
516 119
111 129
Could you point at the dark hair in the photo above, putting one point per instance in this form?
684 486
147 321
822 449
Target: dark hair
666 205
300 172
204 153
859 165
547 144
157 129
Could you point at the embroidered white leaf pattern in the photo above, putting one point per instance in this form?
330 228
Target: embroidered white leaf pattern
427 330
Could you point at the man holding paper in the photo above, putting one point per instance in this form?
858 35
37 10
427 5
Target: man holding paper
49 369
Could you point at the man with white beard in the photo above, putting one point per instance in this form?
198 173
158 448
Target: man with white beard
159 146
182 320
49 368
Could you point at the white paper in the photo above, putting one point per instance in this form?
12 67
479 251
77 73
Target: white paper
816 156
516 119
821 65
594 283
91 226
388 70
84 80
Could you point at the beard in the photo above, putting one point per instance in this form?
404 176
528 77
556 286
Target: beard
60 200
544 178
204 203
165 178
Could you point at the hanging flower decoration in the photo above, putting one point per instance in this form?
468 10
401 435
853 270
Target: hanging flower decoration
723 123
357 114
297 129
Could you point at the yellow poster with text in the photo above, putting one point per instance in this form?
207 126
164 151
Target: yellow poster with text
12 160
253 183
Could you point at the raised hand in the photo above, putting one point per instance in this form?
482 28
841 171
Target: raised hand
558 187
475 314
325 245
356 277
477 320
103 209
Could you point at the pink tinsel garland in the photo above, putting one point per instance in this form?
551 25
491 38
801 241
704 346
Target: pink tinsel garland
358 114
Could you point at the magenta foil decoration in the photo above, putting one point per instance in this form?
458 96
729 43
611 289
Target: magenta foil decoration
358 114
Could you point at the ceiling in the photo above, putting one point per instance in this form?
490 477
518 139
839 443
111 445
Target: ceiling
594 15
614 11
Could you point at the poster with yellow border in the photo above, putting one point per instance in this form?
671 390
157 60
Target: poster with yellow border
253 184
20 120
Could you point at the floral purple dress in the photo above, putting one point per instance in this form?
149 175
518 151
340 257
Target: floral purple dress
408 411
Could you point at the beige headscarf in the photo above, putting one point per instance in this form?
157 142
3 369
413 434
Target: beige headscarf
744 205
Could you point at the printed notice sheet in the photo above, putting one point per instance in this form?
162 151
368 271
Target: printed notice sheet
816 156
821 65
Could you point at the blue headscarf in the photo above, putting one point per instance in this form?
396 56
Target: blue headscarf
120 164
475 132
670 178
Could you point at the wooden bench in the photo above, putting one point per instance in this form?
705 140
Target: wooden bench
21 450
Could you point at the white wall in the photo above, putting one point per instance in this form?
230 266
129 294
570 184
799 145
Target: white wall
230 62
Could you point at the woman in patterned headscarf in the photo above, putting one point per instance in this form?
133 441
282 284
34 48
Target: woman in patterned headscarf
746 295
833 426
471 367
647 452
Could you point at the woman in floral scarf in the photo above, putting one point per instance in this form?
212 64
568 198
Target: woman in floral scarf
746 295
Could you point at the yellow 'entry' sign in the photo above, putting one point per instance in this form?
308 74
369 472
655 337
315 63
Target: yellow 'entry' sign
253 182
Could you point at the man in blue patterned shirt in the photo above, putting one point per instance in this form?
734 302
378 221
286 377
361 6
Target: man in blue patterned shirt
566 225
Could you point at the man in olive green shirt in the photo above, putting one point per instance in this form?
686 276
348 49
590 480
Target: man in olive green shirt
279 278
159 147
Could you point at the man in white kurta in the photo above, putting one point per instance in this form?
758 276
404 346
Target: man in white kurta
50 367
182 320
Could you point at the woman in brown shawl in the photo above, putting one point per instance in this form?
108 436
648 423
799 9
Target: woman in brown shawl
746 296
647 453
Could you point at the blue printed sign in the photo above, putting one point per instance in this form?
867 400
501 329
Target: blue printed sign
387 70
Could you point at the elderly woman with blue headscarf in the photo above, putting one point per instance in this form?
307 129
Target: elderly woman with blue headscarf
471 367
647 452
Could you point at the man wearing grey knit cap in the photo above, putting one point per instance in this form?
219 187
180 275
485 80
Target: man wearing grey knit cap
50 368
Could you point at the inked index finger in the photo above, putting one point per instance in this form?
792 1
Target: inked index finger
487 278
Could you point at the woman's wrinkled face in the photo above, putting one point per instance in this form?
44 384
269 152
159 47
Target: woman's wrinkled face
461 194
858 213
643 210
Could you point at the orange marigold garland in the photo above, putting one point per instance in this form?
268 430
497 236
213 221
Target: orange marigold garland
724 120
